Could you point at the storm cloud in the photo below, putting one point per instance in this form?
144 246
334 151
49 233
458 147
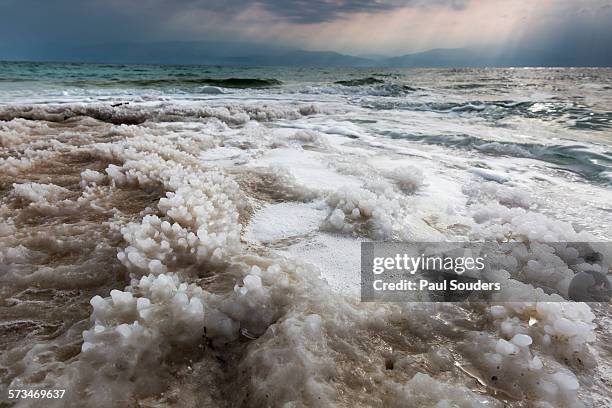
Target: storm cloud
291 11
359 27
316 11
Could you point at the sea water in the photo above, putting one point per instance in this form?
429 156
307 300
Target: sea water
189 235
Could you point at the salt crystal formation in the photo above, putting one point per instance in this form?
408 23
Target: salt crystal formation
146 215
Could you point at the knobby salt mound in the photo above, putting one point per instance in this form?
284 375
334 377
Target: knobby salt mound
150 215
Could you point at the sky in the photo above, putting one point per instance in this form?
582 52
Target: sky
358 27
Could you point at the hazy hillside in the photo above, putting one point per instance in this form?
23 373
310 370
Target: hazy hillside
248 54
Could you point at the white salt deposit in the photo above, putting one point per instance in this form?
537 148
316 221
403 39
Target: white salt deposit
218 245
308 169
275 222
521 340
408 179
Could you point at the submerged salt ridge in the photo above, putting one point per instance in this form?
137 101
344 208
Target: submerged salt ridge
222 216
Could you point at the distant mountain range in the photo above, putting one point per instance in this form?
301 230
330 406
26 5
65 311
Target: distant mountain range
245 54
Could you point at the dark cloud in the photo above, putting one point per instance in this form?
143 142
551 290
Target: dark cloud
36 23
292 11
298 11
32 28
315 11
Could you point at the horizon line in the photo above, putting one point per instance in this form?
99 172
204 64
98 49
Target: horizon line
170 64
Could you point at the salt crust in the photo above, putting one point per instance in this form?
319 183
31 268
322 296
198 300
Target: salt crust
298 320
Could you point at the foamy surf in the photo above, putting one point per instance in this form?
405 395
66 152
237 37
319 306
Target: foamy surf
186 252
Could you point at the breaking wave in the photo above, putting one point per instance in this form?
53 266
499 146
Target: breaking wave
576 158
573 114
362 89
132 114
360 82
242 83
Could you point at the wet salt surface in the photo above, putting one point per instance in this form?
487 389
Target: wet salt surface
206 253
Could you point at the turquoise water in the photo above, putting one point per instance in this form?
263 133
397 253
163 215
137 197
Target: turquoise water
577 102
589 86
